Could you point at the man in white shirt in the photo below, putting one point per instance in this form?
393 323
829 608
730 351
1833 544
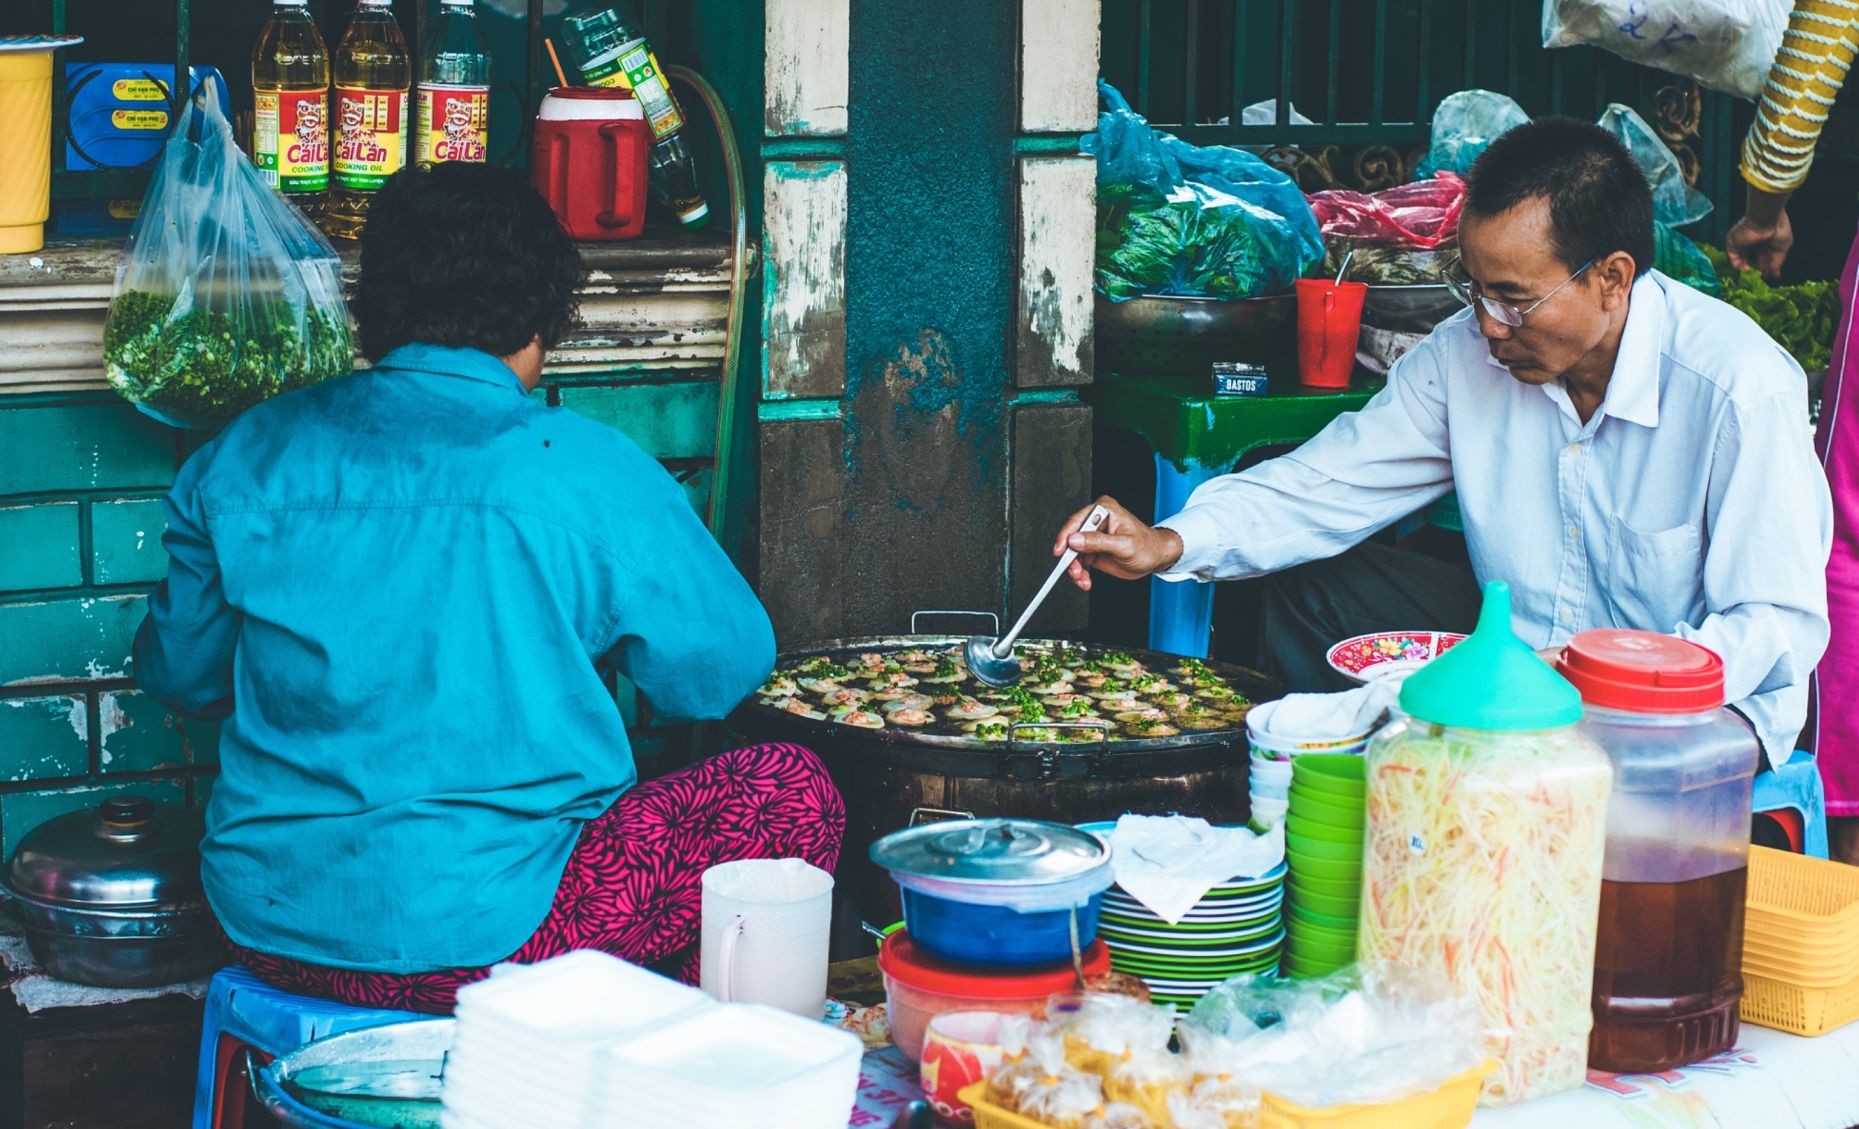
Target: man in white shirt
1627 452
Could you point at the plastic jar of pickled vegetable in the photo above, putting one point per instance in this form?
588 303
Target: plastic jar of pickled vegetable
1487 815
1667 970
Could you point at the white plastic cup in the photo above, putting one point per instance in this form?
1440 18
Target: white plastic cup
766 927
1269 746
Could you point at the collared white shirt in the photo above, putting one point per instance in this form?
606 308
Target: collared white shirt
1690 503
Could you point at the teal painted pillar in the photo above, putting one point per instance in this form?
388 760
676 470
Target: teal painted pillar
926 307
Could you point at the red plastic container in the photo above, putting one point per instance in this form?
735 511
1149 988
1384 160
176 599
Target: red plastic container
919 987
1329 320
588 160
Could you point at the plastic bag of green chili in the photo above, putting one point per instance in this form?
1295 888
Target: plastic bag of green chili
226 294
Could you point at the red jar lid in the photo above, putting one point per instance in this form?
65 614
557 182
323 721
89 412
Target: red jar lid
901 960
1643 672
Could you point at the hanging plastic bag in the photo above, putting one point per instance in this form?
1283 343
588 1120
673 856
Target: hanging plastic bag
1464 125
1725 45
1674 202
225 294
1677 257
1187 220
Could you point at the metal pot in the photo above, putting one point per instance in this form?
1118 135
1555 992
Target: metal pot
111 896
893 778
379 1077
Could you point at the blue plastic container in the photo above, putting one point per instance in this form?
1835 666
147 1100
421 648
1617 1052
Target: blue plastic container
999 935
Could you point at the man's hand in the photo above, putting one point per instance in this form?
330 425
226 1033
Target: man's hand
1122 547
1765 247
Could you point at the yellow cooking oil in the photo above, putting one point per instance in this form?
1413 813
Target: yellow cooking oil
374 80
290 97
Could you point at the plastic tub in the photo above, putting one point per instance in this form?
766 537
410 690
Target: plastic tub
918 986
1033 928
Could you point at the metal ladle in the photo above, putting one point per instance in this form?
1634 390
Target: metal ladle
992 660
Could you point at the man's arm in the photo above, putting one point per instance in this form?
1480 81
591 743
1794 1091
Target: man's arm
1770 520
691 633
184 648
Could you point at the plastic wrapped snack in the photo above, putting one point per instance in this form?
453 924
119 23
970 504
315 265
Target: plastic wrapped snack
1147 1079
1369 1034
1102 1031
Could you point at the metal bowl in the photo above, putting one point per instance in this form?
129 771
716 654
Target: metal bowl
381 1076
1164 334
1408 309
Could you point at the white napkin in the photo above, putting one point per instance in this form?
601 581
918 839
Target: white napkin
1327 717
1170 862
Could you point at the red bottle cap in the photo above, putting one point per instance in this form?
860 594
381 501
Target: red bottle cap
901 960
1642 672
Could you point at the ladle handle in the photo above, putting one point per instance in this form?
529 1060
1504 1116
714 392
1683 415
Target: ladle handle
1004 645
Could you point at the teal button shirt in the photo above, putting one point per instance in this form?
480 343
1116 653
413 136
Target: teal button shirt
399 589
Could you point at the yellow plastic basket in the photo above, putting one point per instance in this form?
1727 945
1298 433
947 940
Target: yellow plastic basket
1794 899
1806 970
1797 1009
1450 1106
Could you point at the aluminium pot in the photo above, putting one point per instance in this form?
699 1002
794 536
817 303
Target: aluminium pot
894 778
111 896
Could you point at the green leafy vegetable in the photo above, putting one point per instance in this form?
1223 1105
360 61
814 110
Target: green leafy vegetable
1802 318
202 367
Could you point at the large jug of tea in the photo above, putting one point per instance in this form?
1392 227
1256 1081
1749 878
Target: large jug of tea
1667 963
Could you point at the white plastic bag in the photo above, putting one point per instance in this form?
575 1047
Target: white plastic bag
1725 45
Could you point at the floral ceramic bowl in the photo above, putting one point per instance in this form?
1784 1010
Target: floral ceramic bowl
1366 658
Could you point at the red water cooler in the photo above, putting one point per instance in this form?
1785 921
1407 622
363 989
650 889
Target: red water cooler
588 160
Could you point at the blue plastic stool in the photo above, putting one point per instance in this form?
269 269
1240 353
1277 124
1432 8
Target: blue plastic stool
1796 787
244 1013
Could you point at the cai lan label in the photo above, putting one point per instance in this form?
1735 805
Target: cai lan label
454 123
290 142
371 136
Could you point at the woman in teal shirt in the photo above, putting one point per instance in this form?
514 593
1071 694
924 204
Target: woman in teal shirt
401 592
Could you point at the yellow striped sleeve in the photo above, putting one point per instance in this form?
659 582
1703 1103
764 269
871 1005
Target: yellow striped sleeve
1823 36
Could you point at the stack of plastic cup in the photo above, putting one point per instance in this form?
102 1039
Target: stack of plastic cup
1324 832
1271 789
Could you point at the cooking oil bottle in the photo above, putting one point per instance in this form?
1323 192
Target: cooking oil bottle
610 51
290 90
453 119
373 83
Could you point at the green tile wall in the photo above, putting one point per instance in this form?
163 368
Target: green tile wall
81 520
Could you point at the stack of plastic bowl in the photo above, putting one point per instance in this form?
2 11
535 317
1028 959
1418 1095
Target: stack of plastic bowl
1324 832
1271 786
550 1045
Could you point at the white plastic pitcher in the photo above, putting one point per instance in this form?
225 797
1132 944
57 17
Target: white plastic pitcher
766 924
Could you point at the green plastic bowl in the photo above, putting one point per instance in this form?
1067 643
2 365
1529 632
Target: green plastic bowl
1303 883
1343 774
1324 832
1342 923
1328 906
1304 847
1325 869
1328 807
1321 950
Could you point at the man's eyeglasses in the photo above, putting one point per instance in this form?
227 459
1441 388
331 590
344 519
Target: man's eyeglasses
1504 313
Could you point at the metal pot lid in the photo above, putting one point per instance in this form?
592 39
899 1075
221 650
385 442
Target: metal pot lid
129 852
992 851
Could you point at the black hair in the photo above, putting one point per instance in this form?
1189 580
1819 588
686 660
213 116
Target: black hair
464 255
1599 201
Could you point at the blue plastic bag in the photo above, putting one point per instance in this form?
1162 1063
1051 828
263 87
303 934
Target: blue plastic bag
1192 221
